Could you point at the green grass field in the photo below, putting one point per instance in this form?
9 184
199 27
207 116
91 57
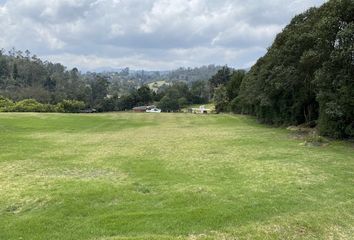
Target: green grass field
169 176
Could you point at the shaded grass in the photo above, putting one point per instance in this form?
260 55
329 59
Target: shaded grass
168 176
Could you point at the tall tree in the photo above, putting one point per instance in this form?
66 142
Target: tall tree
307 74
222 77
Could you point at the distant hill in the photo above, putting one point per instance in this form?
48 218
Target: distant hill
157 84
125 79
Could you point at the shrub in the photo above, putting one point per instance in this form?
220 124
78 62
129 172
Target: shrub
50 108
70 106
168 104
28 105
182 102
5 104
314 139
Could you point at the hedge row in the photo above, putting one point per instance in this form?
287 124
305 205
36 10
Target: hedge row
31 105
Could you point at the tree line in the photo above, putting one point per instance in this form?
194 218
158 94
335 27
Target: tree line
25 76
170 98
306 77
29 84
123 81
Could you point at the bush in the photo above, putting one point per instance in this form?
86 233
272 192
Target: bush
28 105
182 102
5 104
168 104
50 108
31 105
314 139
70 106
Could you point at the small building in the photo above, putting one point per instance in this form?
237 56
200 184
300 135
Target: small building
200 110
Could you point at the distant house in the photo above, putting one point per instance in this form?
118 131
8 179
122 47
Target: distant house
200 110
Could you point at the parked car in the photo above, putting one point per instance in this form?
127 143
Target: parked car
153 110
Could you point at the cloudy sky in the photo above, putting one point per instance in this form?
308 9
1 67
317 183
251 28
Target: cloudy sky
146 34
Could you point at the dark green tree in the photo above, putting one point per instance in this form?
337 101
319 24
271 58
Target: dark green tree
168 104
222 77
306 77
144 95
200 92
15 73
220 99
99 87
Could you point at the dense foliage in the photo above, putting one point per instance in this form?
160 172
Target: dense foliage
307 76
123 81
31 105
169 98
225 86
24 77
70 106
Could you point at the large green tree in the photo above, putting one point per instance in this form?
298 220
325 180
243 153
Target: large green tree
222 77
307 74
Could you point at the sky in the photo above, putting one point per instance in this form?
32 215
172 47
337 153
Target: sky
146 34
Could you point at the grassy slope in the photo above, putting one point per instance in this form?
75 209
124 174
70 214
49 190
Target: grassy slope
157 84
168 176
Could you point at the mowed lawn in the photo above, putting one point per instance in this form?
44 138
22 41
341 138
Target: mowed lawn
169 176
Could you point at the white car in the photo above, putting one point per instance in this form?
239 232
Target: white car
153 110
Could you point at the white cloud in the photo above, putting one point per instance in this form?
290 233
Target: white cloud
153 34
245 34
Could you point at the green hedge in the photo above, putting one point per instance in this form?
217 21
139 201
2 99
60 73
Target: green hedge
70 106
5 104
31 105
